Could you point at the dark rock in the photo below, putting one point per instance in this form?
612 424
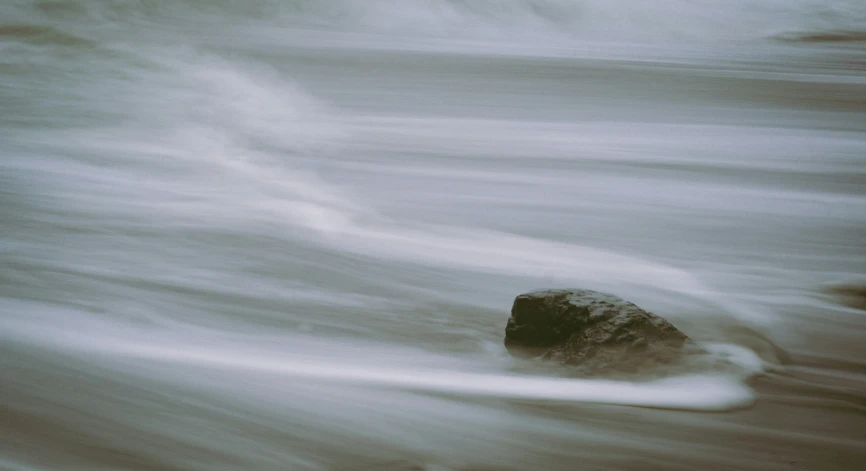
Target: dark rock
593 331
850 295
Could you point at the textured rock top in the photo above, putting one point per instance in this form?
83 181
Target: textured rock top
592 330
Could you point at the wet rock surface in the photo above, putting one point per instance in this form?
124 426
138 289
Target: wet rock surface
852 295
592 331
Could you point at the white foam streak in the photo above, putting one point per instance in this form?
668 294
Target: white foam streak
703 392
166 354
501 253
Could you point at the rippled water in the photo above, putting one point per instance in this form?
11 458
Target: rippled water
286 234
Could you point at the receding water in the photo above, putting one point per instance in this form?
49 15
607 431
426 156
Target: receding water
280 235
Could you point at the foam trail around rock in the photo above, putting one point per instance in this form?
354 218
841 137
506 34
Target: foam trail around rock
339 365
704 392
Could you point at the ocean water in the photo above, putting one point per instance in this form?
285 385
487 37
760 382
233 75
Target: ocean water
286 234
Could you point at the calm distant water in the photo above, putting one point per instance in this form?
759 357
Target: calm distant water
286 234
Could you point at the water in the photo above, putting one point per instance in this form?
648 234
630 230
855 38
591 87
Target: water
287 234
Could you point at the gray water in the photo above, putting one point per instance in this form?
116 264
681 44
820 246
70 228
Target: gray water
280 235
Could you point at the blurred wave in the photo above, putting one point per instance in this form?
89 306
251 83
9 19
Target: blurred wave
669 20
286 234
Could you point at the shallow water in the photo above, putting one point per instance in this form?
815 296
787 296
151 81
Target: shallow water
286 235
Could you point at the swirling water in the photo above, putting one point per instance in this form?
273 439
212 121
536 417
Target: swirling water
286 234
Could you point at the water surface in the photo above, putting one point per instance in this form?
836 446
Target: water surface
281 235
